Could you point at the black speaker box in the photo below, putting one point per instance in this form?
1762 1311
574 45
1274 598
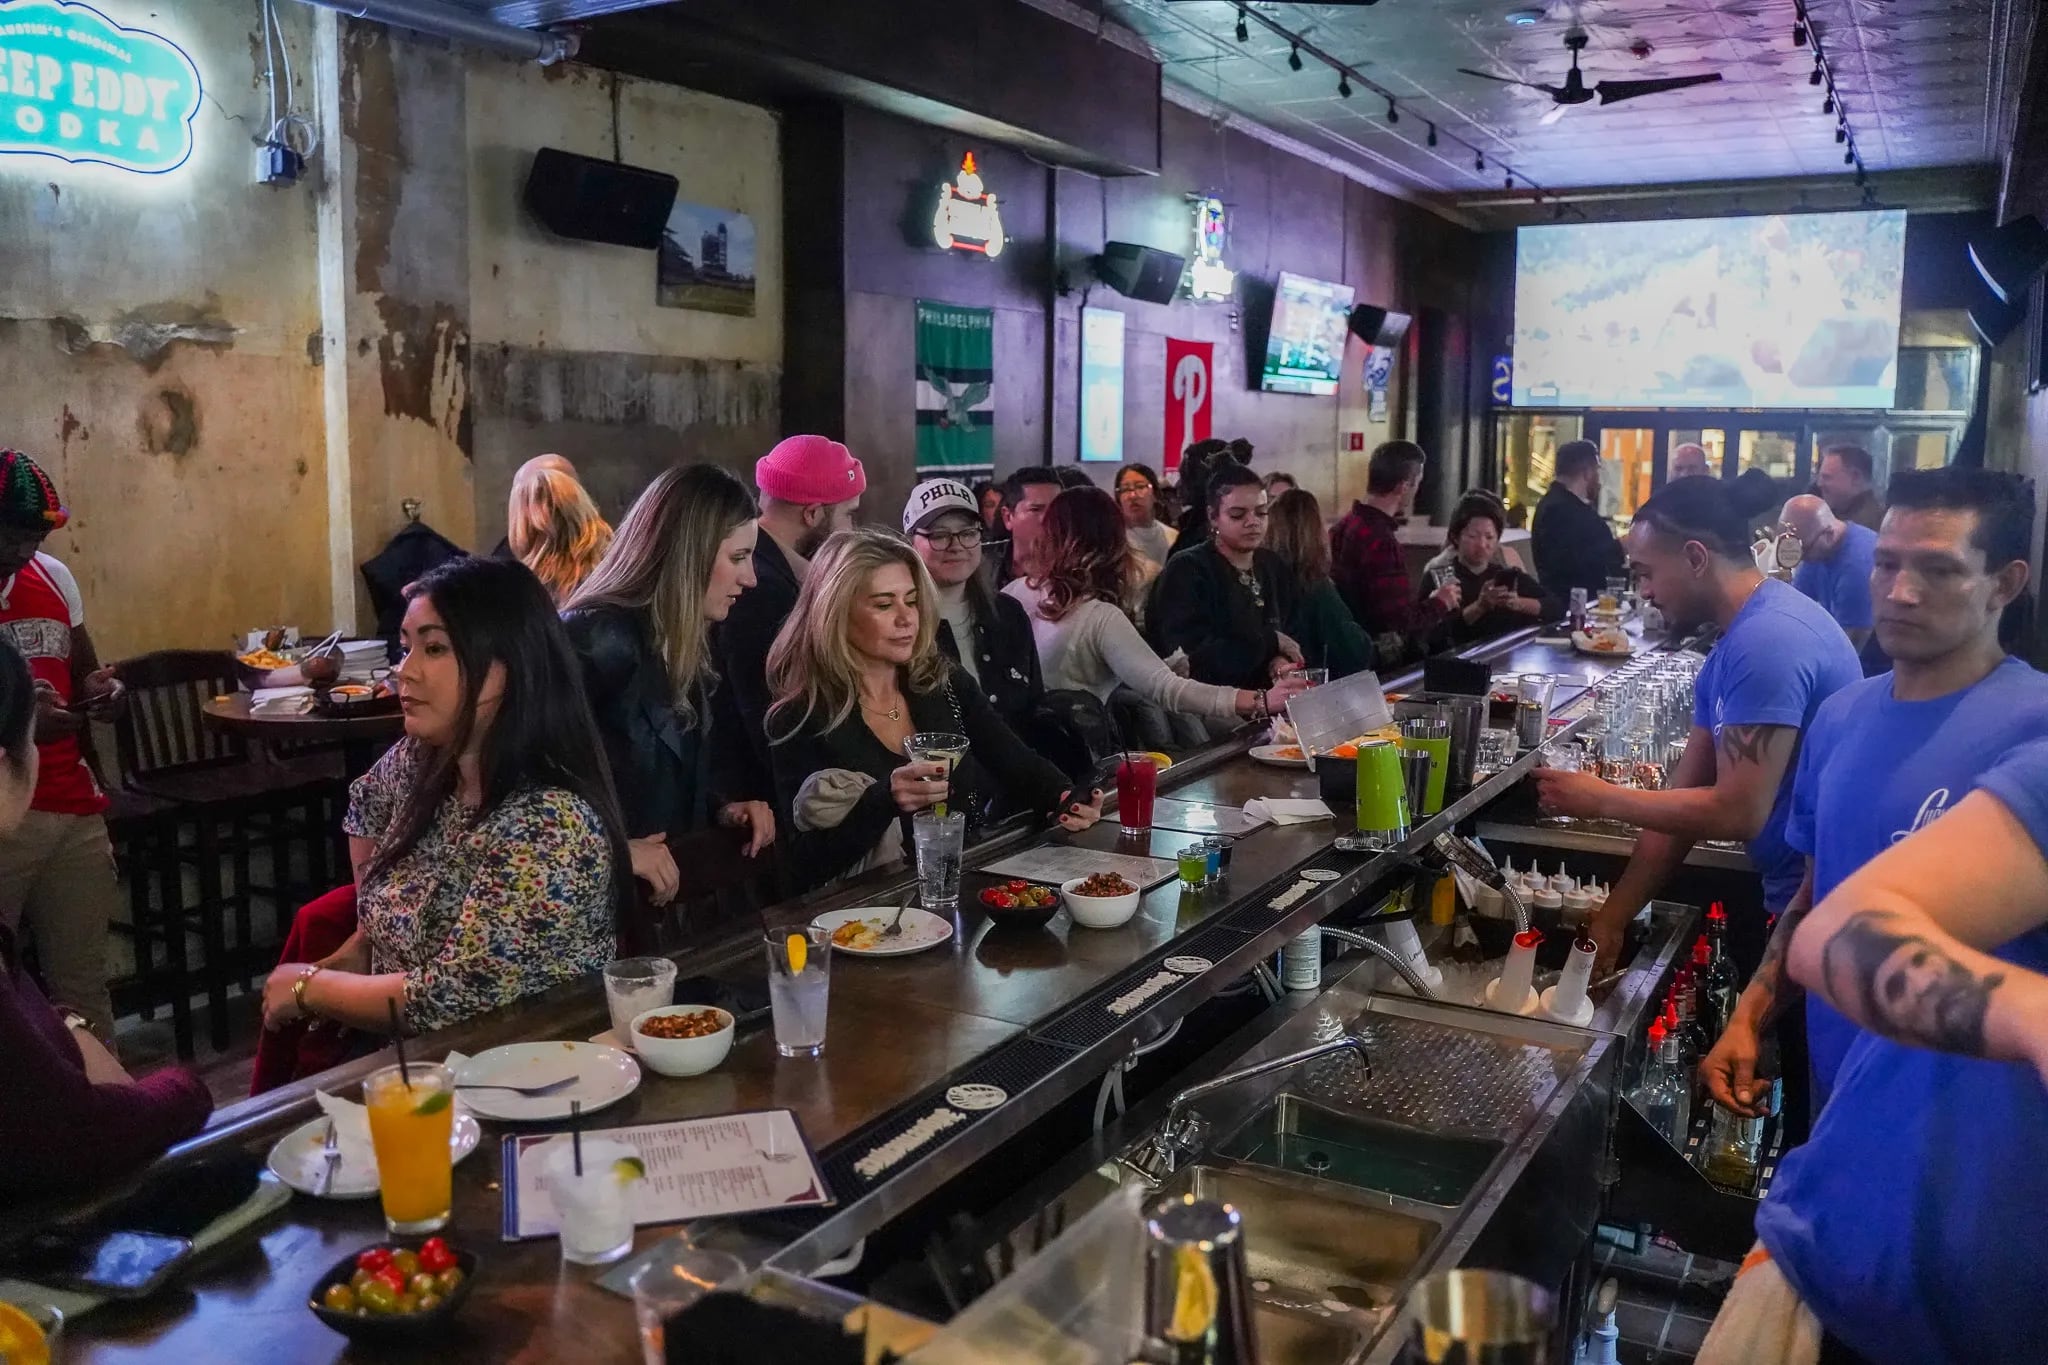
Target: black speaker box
590 200
1144 273
1379 326
2010 257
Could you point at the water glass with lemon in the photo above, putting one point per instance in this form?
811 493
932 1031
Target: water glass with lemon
592 1191
799 977
412 1115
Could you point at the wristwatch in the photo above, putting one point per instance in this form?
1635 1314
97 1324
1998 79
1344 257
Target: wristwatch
306 974
74 1020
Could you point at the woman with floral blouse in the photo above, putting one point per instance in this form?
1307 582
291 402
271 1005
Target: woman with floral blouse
488 849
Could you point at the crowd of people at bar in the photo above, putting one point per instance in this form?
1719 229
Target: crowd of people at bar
581 701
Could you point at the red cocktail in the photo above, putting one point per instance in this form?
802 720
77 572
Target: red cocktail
1137 782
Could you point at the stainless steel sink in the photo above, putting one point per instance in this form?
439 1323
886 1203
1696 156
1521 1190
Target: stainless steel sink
1309 1139
1296 1339
1317 1252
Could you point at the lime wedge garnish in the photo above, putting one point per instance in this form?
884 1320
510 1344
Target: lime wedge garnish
799 953
628 1169
434 1103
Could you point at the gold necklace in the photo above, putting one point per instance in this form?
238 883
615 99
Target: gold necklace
893 713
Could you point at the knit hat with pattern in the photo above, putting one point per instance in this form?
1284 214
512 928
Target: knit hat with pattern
27 497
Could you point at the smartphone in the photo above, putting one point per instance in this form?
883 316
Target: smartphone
128 1265
1506 577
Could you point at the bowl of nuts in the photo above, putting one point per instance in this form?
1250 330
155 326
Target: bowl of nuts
683 1040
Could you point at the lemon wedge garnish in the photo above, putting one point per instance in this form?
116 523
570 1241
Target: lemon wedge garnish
1194 1295
628 1169
799 953
21 1341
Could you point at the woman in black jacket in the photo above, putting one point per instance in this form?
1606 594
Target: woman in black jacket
680 559
855 673
1224 603
1493 598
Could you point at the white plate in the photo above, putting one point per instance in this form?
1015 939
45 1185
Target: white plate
300 1157
604 1076
1583 643
1270 753
921 929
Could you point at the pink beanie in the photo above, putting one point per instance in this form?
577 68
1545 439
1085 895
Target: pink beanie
810 469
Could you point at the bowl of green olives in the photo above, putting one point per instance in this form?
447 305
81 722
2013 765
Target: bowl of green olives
395 1292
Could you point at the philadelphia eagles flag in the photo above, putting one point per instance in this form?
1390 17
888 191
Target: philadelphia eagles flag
956 407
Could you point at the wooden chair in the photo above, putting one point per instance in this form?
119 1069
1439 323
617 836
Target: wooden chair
201 798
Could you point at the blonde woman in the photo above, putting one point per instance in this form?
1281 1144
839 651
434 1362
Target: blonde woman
681 558
854 673
553 528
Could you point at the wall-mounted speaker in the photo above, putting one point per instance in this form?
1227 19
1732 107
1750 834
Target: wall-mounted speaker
2010 257
589 200
1379 326
1144 273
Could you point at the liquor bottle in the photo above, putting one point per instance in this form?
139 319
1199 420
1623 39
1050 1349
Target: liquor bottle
1719 986
1661 1095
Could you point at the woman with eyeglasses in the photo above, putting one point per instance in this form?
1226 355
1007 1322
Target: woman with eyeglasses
985 633
1137 494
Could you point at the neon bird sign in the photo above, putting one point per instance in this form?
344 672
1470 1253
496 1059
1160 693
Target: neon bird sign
79 87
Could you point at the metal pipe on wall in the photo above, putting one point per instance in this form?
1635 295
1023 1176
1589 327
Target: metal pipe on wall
446 21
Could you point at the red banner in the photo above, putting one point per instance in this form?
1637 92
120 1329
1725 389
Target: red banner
1190 396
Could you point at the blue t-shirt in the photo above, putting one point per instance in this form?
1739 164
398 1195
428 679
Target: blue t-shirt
1873 769
1781 658
1911 1222
1842 584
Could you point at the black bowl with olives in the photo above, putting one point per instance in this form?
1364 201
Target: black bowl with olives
361 1298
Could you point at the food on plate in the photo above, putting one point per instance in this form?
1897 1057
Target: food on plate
390 1282
1287 751
1018 896
352 691
1104 884
268 660
859 933
698 1024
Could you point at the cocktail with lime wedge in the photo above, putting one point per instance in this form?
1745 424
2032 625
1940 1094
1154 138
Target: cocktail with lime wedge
412 1113
936 746
592 1197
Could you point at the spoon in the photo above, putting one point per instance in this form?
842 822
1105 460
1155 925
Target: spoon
896 925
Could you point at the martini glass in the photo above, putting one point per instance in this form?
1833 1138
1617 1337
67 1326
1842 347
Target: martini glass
937 746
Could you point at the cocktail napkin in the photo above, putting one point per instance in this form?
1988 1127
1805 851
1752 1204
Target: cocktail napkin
1281 811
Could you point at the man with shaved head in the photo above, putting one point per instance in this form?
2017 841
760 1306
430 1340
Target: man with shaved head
1835 567
1688 461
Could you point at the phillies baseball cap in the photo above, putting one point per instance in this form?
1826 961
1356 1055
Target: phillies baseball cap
935 496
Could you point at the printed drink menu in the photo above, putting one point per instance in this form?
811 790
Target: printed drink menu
697 1168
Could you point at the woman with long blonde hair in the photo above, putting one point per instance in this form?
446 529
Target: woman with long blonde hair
640 623
554 529
854 673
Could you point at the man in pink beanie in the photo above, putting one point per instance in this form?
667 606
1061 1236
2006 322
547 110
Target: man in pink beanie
810 488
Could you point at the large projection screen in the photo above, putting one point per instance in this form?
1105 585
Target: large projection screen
1780 311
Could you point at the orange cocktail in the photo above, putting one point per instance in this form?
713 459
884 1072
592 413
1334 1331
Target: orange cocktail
410 1127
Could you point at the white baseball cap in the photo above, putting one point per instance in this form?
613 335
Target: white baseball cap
935 496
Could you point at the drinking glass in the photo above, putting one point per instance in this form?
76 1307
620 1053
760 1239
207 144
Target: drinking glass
939 836
1314 677
410 1126
591 1200
1137 783
936 746
633 986
1532 710
1496 750
799 986
674 1278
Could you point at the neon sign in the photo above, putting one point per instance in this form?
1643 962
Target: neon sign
79 87
966 218
1207 278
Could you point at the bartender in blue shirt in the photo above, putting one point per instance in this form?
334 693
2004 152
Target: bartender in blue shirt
1888 755
1909 1225
1780 656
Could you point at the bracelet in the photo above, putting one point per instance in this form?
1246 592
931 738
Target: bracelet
1260 711
306 974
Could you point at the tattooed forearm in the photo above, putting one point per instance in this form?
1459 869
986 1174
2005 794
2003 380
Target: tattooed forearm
1903 985
1752 743
1769 983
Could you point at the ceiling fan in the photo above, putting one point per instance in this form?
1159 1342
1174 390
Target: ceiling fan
1576 91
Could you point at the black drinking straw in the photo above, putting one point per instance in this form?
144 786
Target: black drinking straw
398 1042
576 1135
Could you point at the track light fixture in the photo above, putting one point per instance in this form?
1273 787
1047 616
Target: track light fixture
1393 114
1294 58
1344 84
1432 135
1478 161
1244 30
1827 106
1507 182
1849 157
1815 77
1841 133
1799 34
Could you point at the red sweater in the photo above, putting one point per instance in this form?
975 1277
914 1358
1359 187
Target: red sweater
1371 575
60 1131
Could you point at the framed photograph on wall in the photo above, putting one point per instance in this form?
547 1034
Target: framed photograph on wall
706 261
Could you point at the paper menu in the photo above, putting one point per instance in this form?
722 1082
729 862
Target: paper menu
1200 817
1056 863
697 1168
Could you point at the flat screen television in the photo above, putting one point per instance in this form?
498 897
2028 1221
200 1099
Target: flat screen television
1775 311
1305 345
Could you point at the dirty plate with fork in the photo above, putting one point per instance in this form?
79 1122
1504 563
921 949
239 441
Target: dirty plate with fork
860 931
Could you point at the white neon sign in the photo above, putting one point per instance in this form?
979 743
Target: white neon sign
1206 277
966 218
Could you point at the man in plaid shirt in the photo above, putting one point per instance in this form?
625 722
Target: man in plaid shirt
1366 559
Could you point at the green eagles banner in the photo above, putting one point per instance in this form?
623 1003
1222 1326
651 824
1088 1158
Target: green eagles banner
77 86
956 406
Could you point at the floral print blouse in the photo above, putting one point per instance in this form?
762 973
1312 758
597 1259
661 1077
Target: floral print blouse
487 908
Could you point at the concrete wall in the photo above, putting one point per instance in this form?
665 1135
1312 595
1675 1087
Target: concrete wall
236 387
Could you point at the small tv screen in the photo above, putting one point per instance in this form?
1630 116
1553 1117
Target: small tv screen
1775 311
1305 346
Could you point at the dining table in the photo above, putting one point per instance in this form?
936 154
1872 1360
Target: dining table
362 738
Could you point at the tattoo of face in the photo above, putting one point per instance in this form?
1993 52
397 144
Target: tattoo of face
1907 986
1750 743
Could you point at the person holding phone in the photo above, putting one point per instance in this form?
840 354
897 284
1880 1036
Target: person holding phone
1493 598
70 1116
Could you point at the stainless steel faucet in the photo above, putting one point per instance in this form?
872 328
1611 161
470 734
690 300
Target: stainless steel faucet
1471 859
1401 965
1182 1134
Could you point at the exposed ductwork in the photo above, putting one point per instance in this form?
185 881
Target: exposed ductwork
446 21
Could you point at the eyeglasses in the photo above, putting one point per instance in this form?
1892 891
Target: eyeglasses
968 539
1133 487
